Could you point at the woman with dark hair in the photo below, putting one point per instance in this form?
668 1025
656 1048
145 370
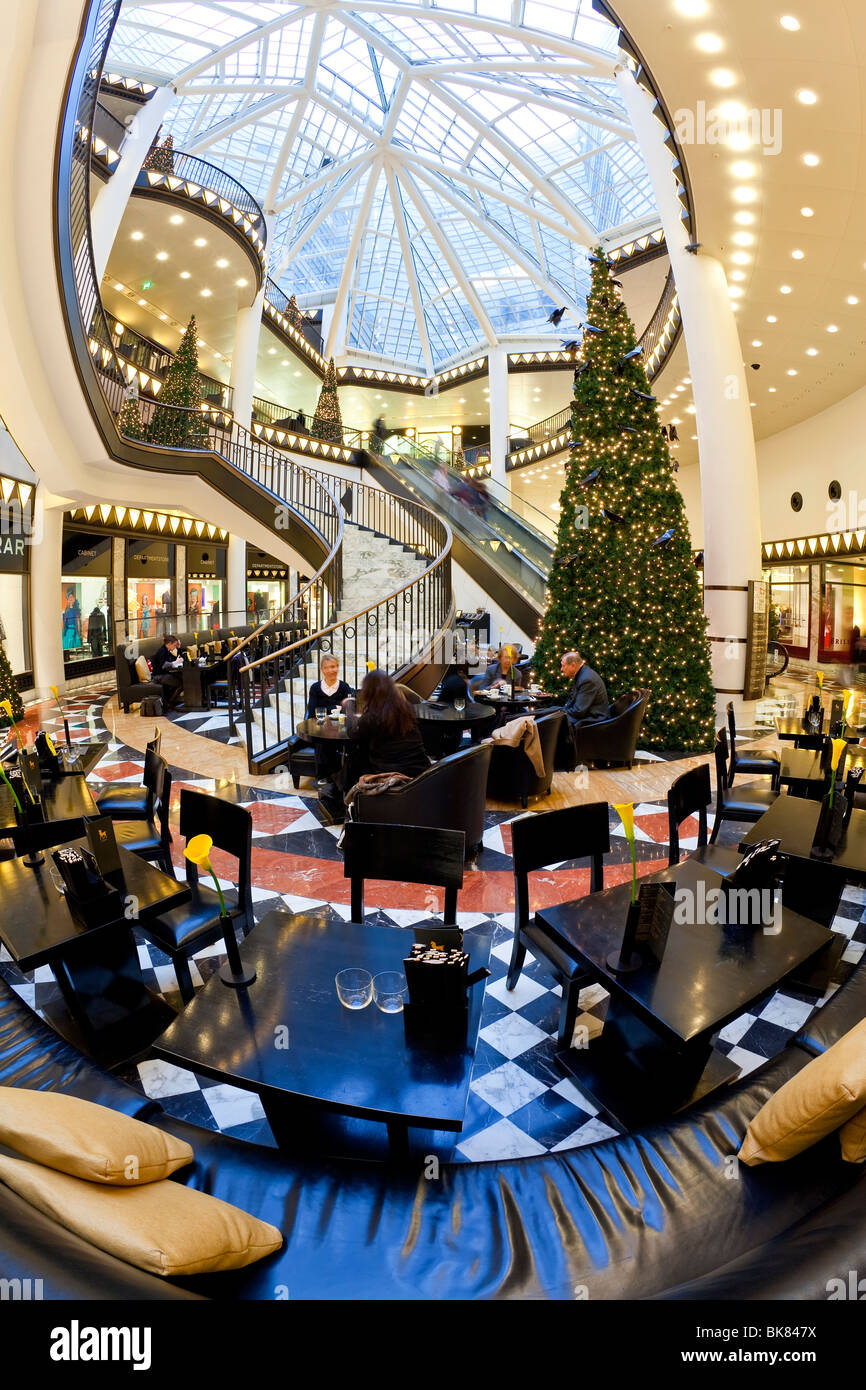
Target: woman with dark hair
387 735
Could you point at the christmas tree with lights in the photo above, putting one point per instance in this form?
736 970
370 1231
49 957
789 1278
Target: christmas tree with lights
9 690
183 428
129 420
160 158
623 588
327 421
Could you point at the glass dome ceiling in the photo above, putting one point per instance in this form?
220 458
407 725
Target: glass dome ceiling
436 172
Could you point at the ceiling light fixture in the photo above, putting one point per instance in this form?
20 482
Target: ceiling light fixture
789 22
200 241
744 219
797 255
709 43
756 342
852 299
743 239
742 169
745 194
162 255
807 212
184 275
741 258
137 236
811 160
722 77
811 352
832 328
241 284
784 289
222 264
806 96
176 219
771 318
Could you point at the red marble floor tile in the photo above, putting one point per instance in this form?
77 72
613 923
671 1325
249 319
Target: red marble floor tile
272 819
505 832
657 827
112 771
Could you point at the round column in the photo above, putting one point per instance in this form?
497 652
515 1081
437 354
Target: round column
236 581
497 373
45 601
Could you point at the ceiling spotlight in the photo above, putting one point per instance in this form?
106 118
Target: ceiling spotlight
740 258
241 284
734 291
738 275
199 241
709 43
691 9
137 236
162 255
222 264
807 97
756 342
811 352
852 299
807 212
771 318
811 160
742 238
797 255
142 303
739 140
772 390
722 77
745 194
832 328
184 275
792 371
176 219
784 289
118 286
199 342
272 352
744 219
742 169
789 22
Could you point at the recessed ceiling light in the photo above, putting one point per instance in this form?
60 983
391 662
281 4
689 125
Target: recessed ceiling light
784 289
733 111
772 390
162 255
709 43
163 317
142 303
738 275
687 381
792 371
199 342
742 238
176 219
789 22
756 342
832 328
741 258
797 255
352 398
745 194
241 284
811 160
742 169
744 219
136 236
200 241
272 351
692 9
184 275
806 96
739 140
852 299
222 264
771 318
218 354
807 212
811 352
722 77
118 286
734 291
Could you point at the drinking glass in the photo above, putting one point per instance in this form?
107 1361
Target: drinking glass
320 715
389 991
354 988
460 704
57 879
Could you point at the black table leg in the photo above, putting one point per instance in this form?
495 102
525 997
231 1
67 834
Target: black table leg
398 1138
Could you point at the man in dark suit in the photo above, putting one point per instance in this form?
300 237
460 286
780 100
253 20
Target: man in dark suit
168 670
587 701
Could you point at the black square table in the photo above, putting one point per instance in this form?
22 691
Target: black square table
794 726
794 821
356 1063
66 802
110 1014
654 1055
802 773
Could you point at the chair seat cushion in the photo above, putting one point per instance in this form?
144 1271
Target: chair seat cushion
194 921
748 801
756 764
541 944
137 836
124 799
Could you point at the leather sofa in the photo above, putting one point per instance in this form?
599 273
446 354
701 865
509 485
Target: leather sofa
452 794
647 1215
131 689
613 740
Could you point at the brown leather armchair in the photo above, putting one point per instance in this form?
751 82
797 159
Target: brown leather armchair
450 795
512 775
613 740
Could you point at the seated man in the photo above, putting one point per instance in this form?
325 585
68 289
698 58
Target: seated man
167 671
499 673
587 701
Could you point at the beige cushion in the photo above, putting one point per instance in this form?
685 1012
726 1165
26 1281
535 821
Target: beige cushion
820 1098
162 1227
852 1137
142 670
86 1140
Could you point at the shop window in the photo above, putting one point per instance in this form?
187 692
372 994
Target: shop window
13 621
150 610
789 604
843 612
85 596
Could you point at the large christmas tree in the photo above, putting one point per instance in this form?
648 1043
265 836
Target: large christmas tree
623 588
327 421
129 420
185 428
9 690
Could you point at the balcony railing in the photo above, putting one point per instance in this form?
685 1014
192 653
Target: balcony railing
189 169
146 363
311 328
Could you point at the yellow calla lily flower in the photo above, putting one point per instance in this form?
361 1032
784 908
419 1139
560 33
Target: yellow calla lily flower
839 745
53 689
198 851
6 707
820 679
625 811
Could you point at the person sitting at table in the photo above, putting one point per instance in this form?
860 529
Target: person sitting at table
167 670
328 690
587 701
386 736
454 686
500 672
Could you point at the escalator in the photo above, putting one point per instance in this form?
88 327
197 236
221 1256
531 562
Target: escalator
505 545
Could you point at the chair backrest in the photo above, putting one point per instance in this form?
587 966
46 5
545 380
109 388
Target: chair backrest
732 738
155 744
411 695
162 803
623 702
403 854
813 889
721 755
231 829
690 794
576 832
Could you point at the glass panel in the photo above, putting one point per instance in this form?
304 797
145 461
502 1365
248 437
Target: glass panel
149 607
789 594
204 603
843 610
85 616
12 629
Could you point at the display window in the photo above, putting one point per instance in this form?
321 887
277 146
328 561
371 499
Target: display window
13 621
843 612
150 607
789 598
264 599
205 603
85 596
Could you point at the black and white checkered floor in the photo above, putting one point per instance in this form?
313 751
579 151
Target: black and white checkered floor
520 1103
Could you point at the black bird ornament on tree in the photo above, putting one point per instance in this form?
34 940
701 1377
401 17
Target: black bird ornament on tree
557 316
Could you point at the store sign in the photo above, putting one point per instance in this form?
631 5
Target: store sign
13 553
149 560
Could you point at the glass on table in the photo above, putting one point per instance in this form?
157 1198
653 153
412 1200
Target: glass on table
389 991
320 714
460 704
354 988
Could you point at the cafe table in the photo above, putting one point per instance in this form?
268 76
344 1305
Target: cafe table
107 1011
66 803
793 821
794 726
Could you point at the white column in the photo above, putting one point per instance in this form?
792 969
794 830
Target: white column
236 581
111 200
497 378
726 442
45 597
248 327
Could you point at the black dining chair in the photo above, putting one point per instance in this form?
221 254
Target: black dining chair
690 795
512 776
765 764
151 839
132 803
186 929
745 803
577 832
154 744
403 854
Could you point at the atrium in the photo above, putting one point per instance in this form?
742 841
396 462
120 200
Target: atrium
433 654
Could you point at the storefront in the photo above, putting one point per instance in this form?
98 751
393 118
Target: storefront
150 603
206 586
16 536
790 602
842 623
267 586
85 614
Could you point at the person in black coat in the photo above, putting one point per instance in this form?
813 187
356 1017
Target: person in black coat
386 735
587 701
328 690
167 670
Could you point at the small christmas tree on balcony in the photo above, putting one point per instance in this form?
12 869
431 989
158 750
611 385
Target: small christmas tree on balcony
327 421
177 419
129 420
9 690
294 315
160 158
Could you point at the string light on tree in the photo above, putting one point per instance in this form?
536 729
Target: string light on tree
327 421
624 589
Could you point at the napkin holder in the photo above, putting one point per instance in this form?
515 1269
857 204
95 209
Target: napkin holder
91 900
759 869
438 981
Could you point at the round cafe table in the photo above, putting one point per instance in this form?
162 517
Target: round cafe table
442 726
522 702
